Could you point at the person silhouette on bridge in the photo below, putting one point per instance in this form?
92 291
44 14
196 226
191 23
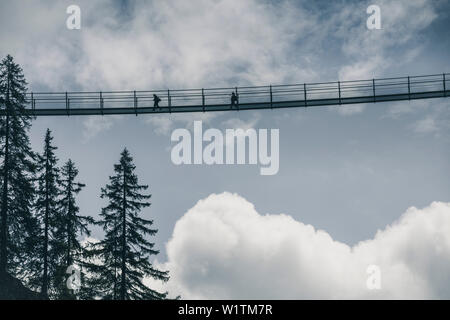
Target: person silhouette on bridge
234 99
156 101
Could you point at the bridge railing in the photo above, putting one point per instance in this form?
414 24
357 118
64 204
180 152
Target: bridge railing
251 94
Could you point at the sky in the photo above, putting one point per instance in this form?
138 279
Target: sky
357 185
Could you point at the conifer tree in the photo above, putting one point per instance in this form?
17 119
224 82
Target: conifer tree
71 226
124 253
47 212
17 224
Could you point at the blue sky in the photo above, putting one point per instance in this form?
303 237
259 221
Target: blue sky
349 171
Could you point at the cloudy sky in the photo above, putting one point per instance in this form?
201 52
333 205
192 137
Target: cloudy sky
358 185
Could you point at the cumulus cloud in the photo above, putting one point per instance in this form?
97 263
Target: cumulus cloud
223 248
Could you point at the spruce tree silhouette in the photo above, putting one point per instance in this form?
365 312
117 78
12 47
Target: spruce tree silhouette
47 194
125 252
17 224
70 227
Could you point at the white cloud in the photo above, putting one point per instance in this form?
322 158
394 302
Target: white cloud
398 109
223 249
350 109
426 125
431 116
93 125
162 124
238 123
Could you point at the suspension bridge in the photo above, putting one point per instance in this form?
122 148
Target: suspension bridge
249 98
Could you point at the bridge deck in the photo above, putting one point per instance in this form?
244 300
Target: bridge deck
250 98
